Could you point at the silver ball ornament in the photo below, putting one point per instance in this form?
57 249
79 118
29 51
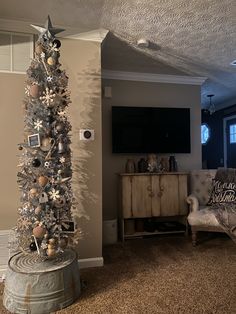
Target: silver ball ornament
59 127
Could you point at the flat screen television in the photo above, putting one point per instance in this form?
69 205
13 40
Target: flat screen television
150 130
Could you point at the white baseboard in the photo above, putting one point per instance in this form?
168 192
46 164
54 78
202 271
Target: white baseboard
90 262
4 251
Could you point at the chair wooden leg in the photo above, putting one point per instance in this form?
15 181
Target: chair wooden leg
194 237
186 228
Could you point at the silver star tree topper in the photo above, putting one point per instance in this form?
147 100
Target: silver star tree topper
48 31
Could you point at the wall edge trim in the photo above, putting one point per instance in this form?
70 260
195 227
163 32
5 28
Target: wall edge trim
97 35
151 77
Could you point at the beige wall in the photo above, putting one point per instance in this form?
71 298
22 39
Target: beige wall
11 134
81 60
128 93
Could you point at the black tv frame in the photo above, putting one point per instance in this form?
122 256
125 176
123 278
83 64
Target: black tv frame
141 130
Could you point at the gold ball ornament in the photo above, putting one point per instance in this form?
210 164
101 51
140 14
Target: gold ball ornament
42 181
46 143
51 252
51 246
34 91
51 61
39 232
33 192
38 210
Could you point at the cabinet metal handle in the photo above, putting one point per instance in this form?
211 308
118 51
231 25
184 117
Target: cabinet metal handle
149 188
161 188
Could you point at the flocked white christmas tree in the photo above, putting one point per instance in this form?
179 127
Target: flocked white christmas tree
45 221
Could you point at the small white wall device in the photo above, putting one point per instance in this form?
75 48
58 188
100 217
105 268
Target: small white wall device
86 135
107 92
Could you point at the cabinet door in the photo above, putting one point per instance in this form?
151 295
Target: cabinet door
156 196
141 196
183 207
126 196
169 195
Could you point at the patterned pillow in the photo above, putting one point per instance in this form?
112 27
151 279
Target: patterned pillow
222 192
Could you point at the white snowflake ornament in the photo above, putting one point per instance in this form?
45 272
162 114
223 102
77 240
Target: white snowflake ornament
49 79
54 194
24 223
27 90
53 47
38 124
47 164
48 97
62 114
42 55
62 160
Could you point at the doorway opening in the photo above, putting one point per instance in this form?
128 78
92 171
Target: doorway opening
229 125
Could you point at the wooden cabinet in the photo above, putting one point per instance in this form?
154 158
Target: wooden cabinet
153 195
141 202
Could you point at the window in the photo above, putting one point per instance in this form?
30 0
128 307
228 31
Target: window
232 133
16 50
205 133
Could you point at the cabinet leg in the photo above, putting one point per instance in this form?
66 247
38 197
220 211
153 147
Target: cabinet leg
194 237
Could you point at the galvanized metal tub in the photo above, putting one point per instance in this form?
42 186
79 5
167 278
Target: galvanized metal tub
40 287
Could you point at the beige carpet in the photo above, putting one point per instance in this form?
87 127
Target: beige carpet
161 275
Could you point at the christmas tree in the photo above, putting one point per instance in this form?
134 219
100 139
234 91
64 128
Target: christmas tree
45 221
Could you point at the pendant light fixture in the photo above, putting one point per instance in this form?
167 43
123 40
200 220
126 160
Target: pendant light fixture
211 107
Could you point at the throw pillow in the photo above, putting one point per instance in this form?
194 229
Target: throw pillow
222 192
226 175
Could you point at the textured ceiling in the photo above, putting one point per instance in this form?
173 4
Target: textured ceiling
196 37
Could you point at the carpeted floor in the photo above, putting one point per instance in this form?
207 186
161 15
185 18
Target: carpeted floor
163 275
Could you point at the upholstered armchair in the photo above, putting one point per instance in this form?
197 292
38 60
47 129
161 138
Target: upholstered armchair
200 218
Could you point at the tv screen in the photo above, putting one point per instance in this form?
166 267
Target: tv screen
150 130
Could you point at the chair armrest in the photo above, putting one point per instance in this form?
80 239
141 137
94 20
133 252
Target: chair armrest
193 202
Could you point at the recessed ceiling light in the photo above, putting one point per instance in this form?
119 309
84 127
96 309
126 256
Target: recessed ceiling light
233 63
